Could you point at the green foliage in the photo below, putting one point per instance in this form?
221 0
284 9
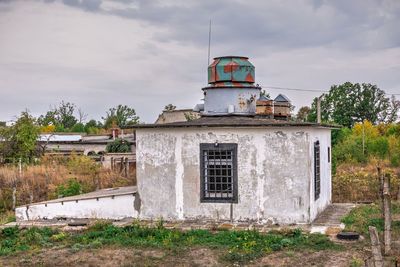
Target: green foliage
62 117
78 128
120 116
349 103
92 127
240 246
20 139
13 239
118 146
363 216
379 141
71 188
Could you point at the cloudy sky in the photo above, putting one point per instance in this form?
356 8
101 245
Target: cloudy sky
146 54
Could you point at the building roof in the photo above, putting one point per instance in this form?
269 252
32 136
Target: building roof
233 121
264 98
281 98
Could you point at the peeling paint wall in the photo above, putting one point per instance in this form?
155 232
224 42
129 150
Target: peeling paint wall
274 174
317 206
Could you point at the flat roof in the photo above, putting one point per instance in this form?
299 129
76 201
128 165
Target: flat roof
234 121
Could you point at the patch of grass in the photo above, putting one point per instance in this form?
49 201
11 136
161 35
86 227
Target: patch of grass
240 246
363 216
7 217
13 239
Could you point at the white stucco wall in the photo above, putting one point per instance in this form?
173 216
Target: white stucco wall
324 138
275 173
118 207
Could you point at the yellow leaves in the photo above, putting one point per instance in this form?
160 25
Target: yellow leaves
370 131
48 129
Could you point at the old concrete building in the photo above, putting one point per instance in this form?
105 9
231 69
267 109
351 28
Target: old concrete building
231 164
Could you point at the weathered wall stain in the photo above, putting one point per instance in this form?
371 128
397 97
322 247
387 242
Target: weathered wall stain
274 176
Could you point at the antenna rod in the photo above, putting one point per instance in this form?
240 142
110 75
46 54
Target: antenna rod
209 43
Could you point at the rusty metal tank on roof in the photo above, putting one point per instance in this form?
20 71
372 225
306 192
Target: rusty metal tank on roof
231 89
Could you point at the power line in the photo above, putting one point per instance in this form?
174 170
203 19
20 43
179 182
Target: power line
304 89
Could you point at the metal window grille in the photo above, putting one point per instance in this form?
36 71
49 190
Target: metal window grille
317 170
218 168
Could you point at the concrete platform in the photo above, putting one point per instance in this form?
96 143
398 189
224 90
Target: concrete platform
330 219
110 203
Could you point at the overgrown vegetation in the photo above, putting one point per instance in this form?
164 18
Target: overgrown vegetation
363 216
357 153
53 177
118 146
239 246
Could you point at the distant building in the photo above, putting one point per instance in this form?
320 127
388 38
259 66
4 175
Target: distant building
168 116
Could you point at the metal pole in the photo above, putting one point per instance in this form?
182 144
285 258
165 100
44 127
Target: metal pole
319 109
209 43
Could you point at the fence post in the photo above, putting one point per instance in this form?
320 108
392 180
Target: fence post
387 214
376 247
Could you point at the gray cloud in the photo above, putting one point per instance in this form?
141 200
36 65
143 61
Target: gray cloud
147 54
355 24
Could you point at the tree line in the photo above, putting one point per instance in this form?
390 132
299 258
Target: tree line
19 140
348 104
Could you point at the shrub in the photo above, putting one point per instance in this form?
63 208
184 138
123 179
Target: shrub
118 146
71 188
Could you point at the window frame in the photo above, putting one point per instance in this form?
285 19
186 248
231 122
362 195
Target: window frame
317 170
234 176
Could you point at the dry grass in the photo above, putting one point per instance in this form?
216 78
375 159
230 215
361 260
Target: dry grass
40 182
359 182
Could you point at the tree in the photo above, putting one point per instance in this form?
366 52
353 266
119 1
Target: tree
65 115
302 114
20 139
349 103
78 128
169 107
62 116
120 116
3 124
82 116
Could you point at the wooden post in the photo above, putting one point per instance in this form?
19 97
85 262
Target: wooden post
126 167
380 178
376 247
387 214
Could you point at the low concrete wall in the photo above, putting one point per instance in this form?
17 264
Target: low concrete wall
108 207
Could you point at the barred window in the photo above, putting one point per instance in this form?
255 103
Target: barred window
218 169
317 170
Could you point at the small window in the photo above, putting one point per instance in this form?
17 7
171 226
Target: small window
218 168
317 170
329 154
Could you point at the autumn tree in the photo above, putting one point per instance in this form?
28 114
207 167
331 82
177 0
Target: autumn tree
120 116
62 116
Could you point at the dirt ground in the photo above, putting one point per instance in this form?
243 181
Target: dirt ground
110 257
